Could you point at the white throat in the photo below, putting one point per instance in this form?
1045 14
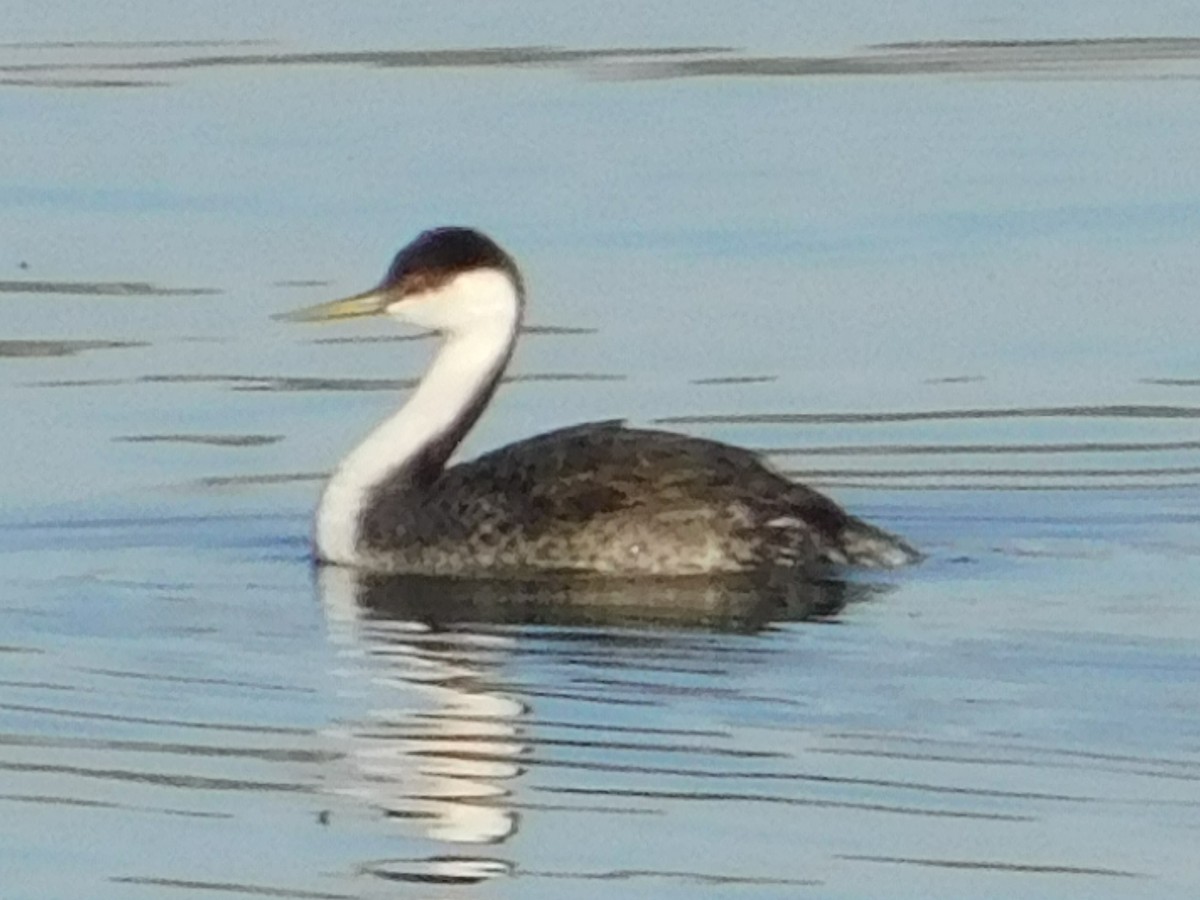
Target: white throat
479 312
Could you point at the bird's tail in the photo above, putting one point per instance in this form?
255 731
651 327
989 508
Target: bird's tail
862 544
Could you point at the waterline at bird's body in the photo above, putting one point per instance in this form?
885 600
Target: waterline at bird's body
598 497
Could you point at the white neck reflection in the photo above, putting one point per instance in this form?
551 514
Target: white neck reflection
438 745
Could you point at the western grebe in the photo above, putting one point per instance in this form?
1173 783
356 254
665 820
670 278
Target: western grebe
592 498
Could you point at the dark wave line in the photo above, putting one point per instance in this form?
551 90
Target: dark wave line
982 486
42 685
735 379
624 729
752 775
184 679
148 521
653 687
41 349
520 805
51 800
788 801
207 440
972 449
485 57
265 754
146 720
1015 747
301 383
1119 411
221 481
68 83
979 760
589 698
437 870
994 473
229 887
1070 56
993 866
1182 44
667 875
157 779
102 288
505 740
128 45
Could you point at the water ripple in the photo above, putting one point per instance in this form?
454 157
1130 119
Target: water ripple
255 890
1099 411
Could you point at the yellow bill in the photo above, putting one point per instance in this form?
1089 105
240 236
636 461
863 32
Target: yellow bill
370 303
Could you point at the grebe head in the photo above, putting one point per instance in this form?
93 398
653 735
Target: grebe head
449 279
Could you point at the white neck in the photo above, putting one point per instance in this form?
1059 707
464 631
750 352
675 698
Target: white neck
478 343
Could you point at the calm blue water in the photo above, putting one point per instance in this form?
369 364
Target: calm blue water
952 284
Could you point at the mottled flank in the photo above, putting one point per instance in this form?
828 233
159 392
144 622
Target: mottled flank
604 498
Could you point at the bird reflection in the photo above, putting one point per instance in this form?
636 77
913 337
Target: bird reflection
441 743
742 603
443 748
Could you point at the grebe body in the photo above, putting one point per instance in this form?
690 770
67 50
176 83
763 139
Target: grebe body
593 498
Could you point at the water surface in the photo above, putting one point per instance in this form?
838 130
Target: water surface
941 265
